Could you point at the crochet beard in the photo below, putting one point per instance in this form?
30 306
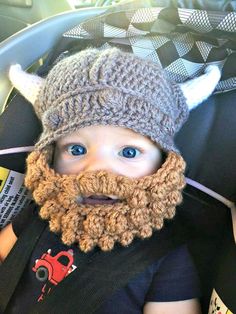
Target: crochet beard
143 206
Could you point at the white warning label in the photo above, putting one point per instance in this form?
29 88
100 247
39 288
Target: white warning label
13 195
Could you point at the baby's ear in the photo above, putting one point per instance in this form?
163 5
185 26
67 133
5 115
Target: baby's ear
200 88
27 84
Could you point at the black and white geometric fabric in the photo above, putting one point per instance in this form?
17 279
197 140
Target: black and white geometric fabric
182 41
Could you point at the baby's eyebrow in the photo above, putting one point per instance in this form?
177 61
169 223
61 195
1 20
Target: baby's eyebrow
70 143
70 140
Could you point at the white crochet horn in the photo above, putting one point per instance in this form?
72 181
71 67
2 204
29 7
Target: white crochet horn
27 84
200 88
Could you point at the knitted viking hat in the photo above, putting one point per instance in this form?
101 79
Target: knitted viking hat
111 87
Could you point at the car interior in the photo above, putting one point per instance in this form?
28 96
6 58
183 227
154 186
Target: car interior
208 139
18 14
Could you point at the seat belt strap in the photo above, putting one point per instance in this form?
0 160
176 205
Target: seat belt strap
92 283
12 268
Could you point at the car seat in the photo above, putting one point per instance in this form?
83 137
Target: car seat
18 14
183 41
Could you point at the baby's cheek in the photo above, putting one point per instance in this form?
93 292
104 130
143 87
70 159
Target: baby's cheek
60 165
156 164
57 160
141 169
147 170
151 164
68 167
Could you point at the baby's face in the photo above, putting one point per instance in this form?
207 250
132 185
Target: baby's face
113 149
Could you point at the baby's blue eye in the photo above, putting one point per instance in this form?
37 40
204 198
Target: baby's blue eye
129 152
77 150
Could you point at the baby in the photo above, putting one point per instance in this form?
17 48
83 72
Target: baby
105 174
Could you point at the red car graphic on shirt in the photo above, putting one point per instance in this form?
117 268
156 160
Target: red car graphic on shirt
54 268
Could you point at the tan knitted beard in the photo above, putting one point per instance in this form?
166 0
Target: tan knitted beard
146 202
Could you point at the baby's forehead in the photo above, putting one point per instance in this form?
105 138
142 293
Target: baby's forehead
104 132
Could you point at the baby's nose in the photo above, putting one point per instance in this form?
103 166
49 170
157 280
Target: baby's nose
99 164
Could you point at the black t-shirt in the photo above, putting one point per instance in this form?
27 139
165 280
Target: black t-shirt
170 278
223 299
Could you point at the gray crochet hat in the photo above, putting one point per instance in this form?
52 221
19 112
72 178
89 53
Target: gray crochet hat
108 87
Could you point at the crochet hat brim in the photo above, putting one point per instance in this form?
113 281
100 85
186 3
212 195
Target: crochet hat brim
108 107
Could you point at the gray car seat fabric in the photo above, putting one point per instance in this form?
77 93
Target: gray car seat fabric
208 143
18 14
26 129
